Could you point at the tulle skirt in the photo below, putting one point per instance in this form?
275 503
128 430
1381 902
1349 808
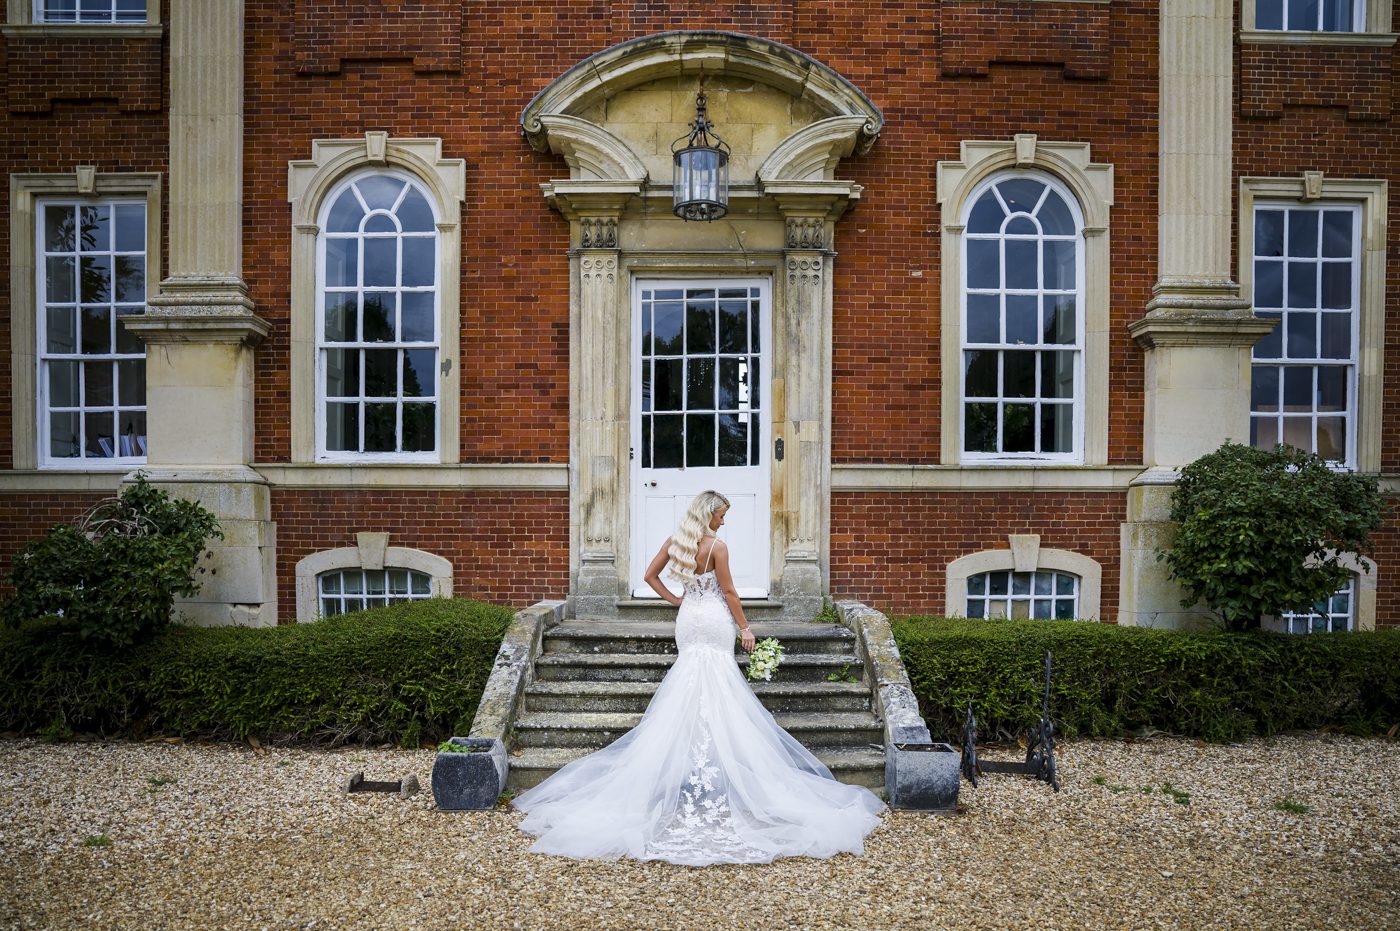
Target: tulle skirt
707 776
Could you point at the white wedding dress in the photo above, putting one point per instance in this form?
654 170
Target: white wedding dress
707 776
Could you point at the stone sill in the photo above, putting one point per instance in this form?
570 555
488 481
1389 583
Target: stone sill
999 477
1281 37
535 476
62 480
82 31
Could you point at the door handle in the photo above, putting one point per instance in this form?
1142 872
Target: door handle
651 484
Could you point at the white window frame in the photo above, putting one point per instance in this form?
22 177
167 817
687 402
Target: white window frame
371 552
1031 597
39 15
323 454
309 184
1076 454
1371 26
1284 362
115 462
364 595
1358 17
1305 619
1372 195
1091 183
1025 554
26 190
23 18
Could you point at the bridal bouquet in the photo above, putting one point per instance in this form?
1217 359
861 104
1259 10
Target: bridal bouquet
767 655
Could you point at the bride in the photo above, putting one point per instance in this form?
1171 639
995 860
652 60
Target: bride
707 776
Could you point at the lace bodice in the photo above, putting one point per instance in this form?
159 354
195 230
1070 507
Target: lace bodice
704 618
705 585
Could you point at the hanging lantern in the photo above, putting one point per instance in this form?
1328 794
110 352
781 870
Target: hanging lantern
701 169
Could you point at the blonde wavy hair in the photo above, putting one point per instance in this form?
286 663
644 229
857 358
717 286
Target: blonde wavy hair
685 542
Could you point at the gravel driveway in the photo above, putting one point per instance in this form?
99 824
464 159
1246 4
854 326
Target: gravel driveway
1156 833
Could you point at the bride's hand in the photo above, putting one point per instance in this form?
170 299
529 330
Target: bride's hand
746 640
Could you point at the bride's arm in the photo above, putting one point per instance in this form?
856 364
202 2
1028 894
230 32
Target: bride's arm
726 585
653 576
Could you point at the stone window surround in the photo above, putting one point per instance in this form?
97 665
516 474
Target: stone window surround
372 551
309 183
25 191
1363 604
19 22
1024 555
1314 189
1091 185
1377 31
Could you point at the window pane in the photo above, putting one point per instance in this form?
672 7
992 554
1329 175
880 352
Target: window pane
100 441
981 428
1057 374
1059 319
1059 265
1055 217
380 427
420 582
1019 374
733 440
1021 264
700 384
1020 583
700 326
1297 388
398 581
96 330
98 384
341 318
998 582
130 228
668 317
380 192
1271 345
59 220
131 278
1331 388
1264 388
1336 284
63 384
1056 428
346 215
1022 318
1332 438
330 583
1263 433
1021 194
379 317
1302 233
983 318
1302 336
414 213
63 434
419 373
1302 14
1268 284
667 442
353 581
342 263
342 427
983 263
1018 428
342 373
699 440
1336 336
980 373
1302 284
131 383
416 317
734 326
1337 15
987 215
381 373
419 430
61 331
95 228
666 384
1297 432
381 262
419 258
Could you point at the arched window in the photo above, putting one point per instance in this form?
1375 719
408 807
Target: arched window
1039 595
1330 615
377 330
342 591
1023 321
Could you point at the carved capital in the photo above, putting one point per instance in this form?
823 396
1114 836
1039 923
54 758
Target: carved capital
598 233
806 233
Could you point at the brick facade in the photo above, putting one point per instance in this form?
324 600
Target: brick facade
942 73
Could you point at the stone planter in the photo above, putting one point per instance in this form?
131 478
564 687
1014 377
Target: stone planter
471 781
923 776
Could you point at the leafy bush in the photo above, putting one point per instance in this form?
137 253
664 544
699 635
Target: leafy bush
113 578
1111 681
406 673
1259 531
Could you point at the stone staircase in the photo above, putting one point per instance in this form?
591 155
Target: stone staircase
594 678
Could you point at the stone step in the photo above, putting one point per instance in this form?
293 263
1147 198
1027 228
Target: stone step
654 609
603 636
652 667
856 766
598 729
634 696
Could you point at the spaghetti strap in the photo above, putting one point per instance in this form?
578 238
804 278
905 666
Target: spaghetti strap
708 555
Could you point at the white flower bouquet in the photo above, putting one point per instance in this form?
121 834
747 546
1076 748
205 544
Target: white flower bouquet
765 659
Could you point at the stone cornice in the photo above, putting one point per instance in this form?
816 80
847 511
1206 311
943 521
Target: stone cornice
198 324
589 149
1278 37
1200 328
813 152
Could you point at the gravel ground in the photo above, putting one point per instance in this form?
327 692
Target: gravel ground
1156 833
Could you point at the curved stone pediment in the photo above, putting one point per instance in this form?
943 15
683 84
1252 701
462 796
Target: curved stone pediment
614 115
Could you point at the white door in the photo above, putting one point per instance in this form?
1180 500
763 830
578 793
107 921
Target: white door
700 417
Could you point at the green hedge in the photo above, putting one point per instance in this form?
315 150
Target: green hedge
1111 681
409 673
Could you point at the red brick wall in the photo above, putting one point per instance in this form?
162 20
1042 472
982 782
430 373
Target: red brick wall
25 517
510 548
1328 109
84 120
892 550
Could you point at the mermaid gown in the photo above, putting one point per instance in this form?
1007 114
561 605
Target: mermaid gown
706 777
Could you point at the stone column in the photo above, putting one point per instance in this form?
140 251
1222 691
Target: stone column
1198 330
802 404
200 329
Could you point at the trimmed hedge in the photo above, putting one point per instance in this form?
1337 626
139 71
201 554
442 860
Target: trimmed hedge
408 673
1111 681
